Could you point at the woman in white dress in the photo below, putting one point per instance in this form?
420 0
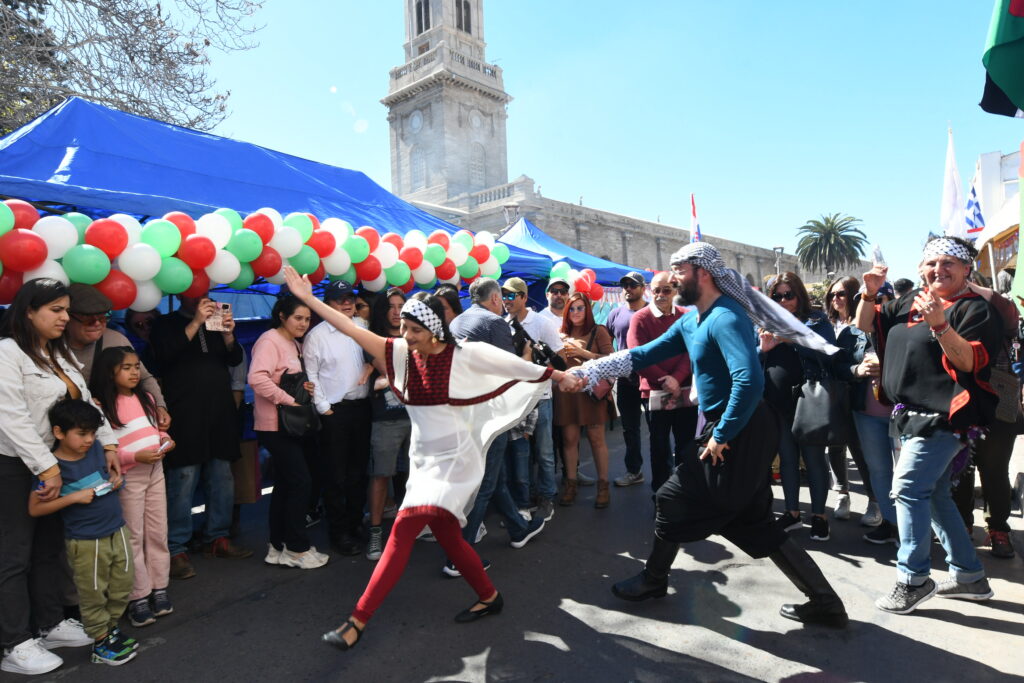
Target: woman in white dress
459 396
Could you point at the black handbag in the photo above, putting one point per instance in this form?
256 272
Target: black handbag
822 413
301 420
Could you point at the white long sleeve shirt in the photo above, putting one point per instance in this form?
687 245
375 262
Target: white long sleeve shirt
334 363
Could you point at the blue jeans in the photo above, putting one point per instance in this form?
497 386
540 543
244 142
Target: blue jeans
494 487
517 466
219 492
923 493
544 447
876 444
789 467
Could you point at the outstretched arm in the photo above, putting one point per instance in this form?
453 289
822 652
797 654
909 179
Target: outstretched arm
299 285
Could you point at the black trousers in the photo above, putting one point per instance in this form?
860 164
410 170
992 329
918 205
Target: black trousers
733 498
33 571
345 455
680 426
992 460
630 405
292 481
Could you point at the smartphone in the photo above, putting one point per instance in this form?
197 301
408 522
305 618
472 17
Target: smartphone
215 323
104 488
163 447
876 258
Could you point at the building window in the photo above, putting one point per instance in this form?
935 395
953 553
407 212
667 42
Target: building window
462 21
422 16
477 166
417 169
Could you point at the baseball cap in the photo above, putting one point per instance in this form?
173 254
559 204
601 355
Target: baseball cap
86 300
515 284
633 278
557 280
339 289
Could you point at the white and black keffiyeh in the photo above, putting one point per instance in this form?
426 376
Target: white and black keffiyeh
947 247
420 313
761 310
618 364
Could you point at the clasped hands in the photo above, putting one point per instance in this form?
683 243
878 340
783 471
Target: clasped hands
570 382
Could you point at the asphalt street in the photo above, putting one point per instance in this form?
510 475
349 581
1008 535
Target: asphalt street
241 620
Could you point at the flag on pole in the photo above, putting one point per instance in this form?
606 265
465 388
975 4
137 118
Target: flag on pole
1004 60
694 223
951 212
975 221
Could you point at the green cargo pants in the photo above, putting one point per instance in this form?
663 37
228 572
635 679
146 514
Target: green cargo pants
103 575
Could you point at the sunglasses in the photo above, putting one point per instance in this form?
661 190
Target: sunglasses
577 309
783 296
630 285
837 295
509 297
93 318
558 292
664 290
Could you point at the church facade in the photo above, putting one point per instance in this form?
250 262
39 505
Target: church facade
447 110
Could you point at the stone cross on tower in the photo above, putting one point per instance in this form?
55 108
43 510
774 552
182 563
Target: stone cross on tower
446 105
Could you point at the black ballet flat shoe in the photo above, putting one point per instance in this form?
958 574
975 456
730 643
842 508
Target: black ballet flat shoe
335 637
467 616
641 587
824 612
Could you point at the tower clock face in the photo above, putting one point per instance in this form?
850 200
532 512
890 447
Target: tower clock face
416 121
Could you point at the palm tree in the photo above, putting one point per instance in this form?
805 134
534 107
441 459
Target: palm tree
829 244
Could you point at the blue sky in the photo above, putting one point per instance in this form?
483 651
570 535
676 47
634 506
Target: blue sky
771 113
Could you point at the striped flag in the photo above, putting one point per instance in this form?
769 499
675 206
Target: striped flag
694 223
972 214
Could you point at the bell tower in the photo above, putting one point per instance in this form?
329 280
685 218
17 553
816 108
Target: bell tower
446 105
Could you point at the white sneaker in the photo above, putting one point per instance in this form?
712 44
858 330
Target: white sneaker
323 556
525 514
68 633
481 532
310 559
872 516
273 555
30 658
842 507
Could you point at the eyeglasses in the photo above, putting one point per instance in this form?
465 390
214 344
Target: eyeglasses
558 292
577 309
93 318
360 307
780 296
664 290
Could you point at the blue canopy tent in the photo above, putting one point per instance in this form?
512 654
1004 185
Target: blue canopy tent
528 236
86 157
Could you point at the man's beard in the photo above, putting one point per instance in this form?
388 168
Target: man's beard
688 293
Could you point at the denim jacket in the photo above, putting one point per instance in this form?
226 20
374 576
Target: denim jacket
816 365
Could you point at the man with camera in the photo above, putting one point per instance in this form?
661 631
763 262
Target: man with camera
540 335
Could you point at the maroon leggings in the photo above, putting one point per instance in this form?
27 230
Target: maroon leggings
408 525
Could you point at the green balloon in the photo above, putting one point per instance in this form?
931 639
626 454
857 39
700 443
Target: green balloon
81 222
463 238
245 278
496 275
434 254
233 218
398 274
302 223
86 264
469 268
431 285
560 269
357 247
350 275
163 236
500 253
306 261
174 277
246 245
6 218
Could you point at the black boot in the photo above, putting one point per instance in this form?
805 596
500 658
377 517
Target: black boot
652 582
825 607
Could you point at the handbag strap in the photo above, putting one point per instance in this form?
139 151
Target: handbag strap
593 333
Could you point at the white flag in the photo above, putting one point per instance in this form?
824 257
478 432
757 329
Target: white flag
951 213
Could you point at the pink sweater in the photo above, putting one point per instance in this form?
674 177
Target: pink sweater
138 432
272 356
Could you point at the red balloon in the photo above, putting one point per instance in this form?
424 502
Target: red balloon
439 237
407 287
323 243
119 288
371 236
267 264
25 215
469 280
200 285
412 256
589 274
108 236
10 283
318 275
581 284
316 221
480 252
393 238
369 269
197 251
261 224
22 250
446 270
186 226
596 292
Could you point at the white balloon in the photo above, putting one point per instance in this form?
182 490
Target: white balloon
147 296
425 274
485 238
140 262
337 262
131 226
489 267
416 238
376 285
58 232
215 227
287 241
457 253
387 254
50 269
277 279
274 215
224 269
341 229
453 280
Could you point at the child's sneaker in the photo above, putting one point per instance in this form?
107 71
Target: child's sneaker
122 640
112 653
160 603
139 613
